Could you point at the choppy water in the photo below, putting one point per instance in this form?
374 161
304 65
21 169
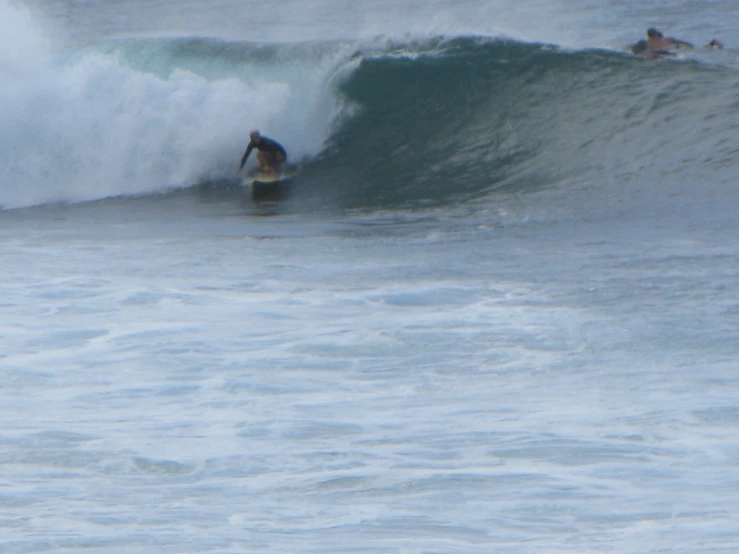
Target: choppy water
497 314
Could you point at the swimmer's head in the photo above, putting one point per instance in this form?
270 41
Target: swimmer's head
653 33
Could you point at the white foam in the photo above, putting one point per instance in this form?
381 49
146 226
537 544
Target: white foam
86 126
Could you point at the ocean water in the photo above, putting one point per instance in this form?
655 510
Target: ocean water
498 311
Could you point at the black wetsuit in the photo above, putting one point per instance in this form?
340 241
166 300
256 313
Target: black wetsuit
264 143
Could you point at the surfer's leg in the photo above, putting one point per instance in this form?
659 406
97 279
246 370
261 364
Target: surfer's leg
279 159
271 161
265 161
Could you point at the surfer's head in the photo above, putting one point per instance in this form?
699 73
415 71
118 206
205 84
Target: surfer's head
254 135
654 33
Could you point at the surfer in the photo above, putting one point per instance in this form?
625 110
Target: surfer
657 45
270 153
715 44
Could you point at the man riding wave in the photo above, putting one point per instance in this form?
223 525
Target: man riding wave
269 156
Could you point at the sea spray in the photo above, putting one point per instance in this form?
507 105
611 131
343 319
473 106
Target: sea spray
82 123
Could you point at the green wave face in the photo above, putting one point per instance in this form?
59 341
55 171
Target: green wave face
469 117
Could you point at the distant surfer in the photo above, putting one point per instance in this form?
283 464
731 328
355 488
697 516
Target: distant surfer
657 45
715 44
269 156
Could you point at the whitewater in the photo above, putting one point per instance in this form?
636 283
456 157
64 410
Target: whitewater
497 313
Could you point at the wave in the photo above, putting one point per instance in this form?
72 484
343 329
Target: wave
433 122
135 117
465 117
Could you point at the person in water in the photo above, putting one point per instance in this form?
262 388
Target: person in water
269 156
657 45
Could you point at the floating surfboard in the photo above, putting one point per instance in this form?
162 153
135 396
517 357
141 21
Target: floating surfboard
267 187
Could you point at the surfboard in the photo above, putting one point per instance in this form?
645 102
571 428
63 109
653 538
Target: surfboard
266 178
267 187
